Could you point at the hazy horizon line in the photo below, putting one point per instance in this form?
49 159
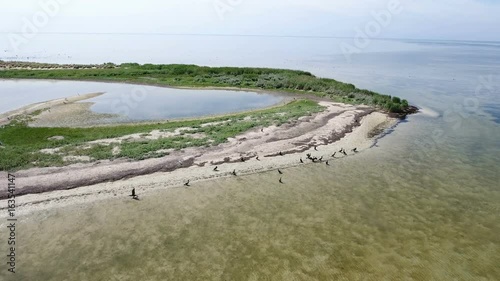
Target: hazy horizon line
247 35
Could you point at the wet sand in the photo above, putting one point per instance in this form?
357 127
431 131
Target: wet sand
339 126
56 104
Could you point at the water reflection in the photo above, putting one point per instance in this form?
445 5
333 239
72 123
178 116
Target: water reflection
151 103
135 102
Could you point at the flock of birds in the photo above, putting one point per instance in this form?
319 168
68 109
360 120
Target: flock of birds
308 155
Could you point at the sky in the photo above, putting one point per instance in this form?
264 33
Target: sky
413 19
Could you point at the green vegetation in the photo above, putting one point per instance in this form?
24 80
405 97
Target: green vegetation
22 144
200 76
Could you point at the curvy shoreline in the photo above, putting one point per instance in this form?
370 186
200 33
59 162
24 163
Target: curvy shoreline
340 126
287 97
6 117
179 75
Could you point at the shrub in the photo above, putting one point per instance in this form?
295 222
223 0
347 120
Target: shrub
396 100
395 108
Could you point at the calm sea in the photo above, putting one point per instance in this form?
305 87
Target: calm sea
423 204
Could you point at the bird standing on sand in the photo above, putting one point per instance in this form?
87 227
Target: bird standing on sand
355 150
333 155
216 169
281 153
320 159
187 183
308 155
281 180
133 195
262 130
328 164
234 172
301 161
345 153
280 172
242 159
257 158
316 148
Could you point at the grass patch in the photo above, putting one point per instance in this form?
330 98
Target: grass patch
202 76
22 144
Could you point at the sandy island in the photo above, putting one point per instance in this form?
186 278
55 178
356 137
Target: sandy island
339 126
